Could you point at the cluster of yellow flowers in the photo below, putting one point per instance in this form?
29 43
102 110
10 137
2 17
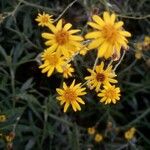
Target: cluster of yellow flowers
142 47
63 44
98 137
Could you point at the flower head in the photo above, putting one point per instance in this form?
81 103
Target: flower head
44 19
91 131
100 76
70 96
98 137
110 94
130 133
51 61
2 118
67 71
108 36
62 39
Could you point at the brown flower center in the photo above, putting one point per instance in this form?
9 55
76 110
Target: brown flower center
44 19
62 37
100 77
70 95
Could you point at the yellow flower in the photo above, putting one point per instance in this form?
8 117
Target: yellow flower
110 94
2 118
51 61
44 19
91 131
62 39
67 71
130 133
100 76
98 137
70 96
109 35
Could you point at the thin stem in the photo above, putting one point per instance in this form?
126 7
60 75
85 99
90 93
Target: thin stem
14 11
104 2
146 112
133 17
119 61
75 54
84 83
95 63
111 61
70 5
12 84
129 67
36 6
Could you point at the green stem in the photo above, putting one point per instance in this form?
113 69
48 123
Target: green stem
137 119
95 63
12 84
70 5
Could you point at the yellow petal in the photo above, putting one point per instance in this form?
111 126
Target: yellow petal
118 24
98 20
77 105
59 25
80 101
112 18
74 31
103 99
59 91
125 33
49 42
59 69
44 65
50 72
47 36
64 51
45 69
109 52
52 28
92 35
72 85
106 17
52 48
64 86
76 38
73 106
67 26
66 106
102 49
94 25
95 43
